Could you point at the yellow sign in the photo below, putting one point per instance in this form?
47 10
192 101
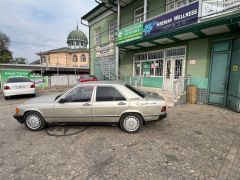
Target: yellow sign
235 68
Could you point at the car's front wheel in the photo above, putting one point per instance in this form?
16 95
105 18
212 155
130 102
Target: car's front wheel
131 122
34 121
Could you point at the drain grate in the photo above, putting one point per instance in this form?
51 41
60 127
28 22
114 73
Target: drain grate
171 158
198 132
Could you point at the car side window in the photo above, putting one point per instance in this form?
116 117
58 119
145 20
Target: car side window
80 94
105 93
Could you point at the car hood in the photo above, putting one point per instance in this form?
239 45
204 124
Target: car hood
42 99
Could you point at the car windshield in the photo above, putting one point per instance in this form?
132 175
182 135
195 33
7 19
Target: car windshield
84 76
137 91
18 79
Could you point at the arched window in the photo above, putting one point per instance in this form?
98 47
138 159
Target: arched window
83 58
75 59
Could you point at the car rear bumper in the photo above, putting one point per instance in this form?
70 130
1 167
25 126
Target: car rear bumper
19 118
19 92
161 116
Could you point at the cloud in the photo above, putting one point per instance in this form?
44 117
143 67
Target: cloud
41 22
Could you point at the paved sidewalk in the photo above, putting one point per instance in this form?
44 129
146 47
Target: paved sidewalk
193 142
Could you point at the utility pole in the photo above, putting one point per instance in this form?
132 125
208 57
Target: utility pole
41 61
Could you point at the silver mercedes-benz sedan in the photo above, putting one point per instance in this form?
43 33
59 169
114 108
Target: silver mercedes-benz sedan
93 102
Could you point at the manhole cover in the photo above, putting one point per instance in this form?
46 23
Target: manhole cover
171 158
64 130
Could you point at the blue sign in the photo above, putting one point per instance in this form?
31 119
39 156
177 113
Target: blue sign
181 17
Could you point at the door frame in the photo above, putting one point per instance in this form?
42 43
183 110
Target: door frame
172 59
228 66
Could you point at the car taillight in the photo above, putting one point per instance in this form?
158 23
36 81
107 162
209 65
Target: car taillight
164 108
17 110
6 88
32 86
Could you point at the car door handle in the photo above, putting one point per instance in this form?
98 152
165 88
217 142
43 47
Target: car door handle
121 103
86 104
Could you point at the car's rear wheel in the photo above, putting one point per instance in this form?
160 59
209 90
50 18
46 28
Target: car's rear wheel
131 122
34 121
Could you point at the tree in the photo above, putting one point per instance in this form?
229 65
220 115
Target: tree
5 54
4 41
19 60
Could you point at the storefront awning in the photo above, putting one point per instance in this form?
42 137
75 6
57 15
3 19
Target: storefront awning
182 24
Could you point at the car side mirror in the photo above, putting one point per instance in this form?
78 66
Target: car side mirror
62 101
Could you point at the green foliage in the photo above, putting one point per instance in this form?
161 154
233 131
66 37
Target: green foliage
5 54
19 60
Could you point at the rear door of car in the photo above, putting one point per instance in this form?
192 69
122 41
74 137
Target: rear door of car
108 104
77 106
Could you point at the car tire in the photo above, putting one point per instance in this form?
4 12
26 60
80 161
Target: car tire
34 121
131 122
33 95
6 97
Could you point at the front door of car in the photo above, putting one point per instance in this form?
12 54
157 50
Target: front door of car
76 106
108 105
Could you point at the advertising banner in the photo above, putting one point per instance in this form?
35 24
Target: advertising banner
39 81
214 7
130 33
181 17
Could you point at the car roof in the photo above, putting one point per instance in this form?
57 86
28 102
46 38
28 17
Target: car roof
102 83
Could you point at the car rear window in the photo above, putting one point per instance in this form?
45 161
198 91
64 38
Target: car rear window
138 92
18 79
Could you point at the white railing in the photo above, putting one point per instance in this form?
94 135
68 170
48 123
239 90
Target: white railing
107 69
180 85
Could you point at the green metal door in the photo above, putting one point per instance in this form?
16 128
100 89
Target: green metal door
233 95
219 73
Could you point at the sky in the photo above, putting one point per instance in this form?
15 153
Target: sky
40 25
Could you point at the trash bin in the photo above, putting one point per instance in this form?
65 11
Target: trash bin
192 94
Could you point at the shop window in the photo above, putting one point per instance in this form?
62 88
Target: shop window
112 31
138 15
149 64
175 4
83 58
137 68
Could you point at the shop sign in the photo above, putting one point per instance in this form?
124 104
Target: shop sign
215 7
192 61
130 33
181 17
105 50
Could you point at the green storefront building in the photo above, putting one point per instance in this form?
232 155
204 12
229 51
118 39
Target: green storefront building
165 44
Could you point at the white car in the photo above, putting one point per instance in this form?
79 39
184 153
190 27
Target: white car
18 86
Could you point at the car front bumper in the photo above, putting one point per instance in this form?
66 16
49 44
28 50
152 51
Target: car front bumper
19 118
